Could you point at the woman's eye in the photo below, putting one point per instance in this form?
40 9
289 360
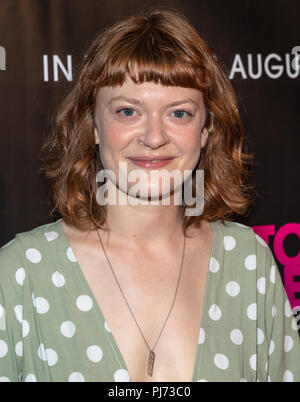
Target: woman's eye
179 113
128 111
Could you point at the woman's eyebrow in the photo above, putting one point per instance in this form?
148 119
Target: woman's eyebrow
137 102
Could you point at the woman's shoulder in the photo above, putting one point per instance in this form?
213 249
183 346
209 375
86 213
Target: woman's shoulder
240 240
48 232
239 230
233 232
27 247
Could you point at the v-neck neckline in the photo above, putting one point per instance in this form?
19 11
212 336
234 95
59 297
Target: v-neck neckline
98 310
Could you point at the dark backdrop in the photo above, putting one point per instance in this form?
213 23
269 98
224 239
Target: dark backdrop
254 40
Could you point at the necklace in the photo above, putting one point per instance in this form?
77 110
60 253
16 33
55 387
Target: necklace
151 351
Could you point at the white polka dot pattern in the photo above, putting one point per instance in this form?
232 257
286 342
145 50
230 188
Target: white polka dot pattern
20 276
51 357
247 325
229 243
42 305
288 376
221 361
94 353
233 288
76 377
58 279
121 375
71 255
42 353
3 348
107 327
68 329
261 285
288 343
252 311
253 360
50 236
25 328
236 336
215 312
2 318
250 262
201 338
30 378
4 379
214 265
260 336
84 303
19 349
33 255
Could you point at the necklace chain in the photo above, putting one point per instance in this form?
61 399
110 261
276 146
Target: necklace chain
152 355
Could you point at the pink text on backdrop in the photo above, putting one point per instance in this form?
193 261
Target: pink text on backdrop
291 265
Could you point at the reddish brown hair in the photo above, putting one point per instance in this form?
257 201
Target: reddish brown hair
158 46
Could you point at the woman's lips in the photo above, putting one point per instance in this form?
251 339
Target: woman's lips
151 164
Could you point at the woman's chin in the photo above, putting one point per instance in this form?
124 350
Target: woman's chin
156 195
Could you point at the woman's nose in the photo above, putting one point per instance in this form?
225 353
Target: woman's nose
154 135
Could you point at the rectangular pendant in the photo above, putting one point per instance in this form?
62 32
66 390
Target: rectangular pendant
151 363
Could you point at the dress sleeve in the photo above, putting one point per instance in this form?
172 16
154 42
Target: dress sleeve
283 341
11 345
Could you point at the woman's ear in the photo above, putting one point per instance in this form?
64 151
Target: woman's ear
96 135
204 136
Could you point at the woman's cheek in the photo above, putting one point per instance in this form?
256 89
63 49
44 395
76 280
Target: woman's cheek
190 143
117 137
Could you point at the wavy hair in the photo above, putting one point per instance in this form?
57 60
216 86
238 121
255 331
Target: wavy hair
160 46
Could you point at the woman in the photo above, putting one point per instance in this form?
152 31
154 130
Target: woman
143 291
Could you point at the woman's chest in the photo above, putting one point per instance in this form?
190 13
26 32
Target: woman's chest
151 302
153 312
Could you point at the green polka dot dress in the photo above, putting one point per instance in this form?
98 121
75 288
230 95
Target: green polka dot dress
52 329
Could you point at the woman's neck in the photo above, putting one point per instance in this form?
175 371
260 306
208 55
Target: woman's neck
144 224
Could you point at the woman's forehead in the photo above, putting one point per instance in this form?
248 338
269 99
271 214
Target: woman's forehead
147 91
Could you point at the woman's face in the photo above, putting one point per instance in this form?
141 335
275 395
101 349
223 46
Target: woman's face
149 121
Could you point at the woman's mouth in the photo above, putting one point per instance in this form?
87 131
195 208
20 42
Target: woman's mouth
151 163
